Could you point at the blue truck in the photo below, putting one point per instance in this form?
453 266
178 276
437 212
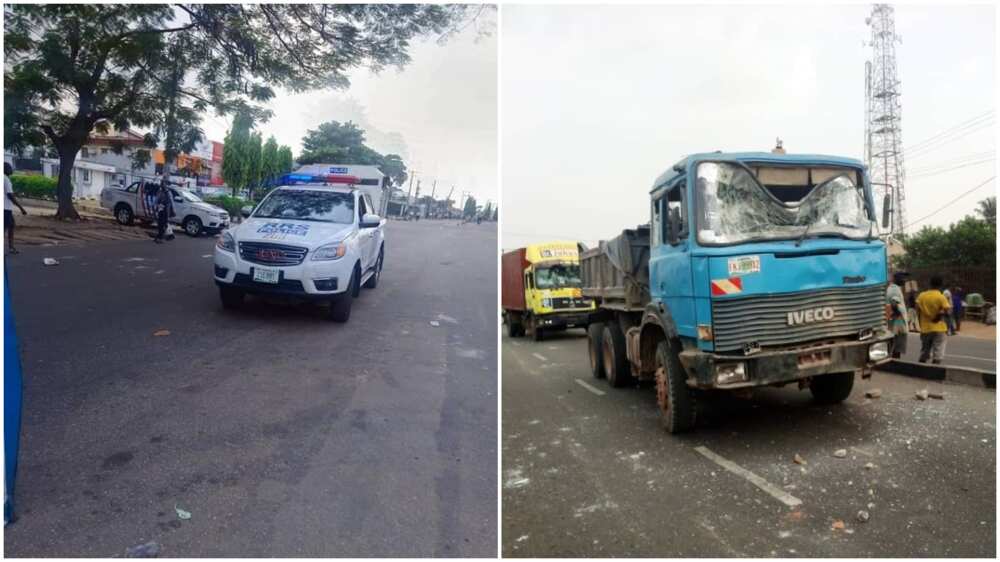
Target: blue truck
755 269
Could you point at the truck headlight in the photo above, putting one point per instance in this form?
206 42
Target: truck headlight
329 252
878 351
226 242
547 303
729 373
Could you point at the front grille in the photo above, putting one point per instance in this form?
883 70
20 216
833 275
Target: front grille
764 319
560 303
271 254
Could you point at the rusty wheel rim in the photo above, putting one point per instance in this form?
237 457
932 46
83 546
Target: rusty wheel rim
662 393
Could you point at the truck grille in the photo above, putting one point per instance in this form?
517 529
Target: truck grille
571 302
764 319
271 254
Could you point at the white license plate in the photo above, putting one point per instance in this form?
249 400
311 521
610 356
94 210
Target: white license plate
265 275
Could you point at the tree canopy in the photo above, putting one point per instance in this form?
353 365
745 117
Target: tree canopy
344 143
969 242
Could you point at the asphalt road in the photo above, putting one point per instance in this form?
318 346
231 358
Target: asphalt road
960 351
282 434
587 470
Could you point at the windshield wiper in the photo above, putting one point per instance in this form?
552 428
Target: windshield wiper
803 236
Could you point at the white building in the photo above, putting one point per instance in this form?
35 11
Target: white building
89 178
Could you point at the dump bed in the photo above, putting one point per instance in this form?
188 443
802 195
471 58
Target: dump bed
512 266
616 272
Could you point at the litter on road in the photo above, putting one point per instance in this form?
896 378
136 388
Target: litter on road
161 333
874 393
797 459
50 261
840 453
922 394
148 550
181 514
863 516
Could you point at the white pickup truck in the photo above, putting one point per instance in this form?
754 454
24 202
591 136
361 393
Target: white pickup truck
307 241
137 201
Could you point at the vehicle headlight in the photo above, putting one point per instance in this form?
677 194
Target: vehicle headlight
729 373
329 252
878 351
226 242
547 303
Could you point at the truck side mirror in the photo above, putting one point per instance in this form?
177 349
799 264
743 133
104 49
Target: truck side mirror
674 233
886 210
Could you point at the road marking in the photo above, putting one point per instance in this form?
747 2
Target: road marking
775 492
971 357
590 388
539 356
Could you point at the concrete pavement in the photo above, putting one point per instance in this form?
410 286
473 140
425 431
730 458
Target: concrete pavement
282 434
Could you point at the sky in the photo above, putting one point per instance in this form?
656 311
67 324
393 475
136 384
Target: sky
439 113
599 100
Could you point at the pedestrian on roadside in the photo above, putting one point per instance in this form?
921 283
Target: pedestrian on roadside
948 320
957 308
164 210
932 308
9 202
911 307
898 325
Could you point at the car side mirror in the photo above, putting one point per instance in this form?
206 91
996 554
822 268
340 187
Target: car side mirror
886 210
674 233
370 220
245 211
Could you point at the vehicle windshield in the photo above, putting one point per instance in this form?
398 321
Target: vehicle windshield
189 196
318 206
734 207
558 276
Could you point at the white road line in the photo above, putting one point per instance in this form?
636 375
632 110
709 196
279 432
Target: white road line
539 356
590 388
775 492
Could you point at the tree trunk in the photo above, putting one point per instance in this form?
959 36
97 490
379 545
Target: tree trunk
64 190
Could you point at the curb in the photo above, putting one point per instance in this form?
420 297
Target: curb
957 375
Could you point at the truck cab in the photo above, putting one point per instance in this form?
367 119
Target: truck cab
763 269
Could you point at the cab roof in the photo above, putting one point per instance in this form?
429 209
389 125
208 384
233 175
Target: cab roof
681 167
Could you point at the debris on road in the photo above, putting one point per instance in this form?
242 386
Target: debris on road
873 393
50 261
181 514
797 459
863 516
922 394
148 550
840 453
936 395
838 525
869 466
161 333
435 323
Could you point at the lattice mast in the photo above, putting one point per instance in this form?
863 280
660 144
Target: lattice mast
883 116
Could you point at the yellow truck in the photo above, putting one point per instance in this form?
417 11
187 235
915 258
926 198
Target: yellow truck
541 289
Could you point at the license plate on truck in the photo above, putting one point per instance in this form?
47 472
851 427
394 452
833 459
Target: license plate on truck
266 275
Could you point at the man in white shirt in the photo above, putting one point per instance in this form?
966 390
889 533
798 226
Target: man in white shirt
9 201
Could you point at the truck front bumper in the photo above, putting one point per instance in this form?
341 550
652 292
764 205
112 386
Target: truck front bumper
772 367
563 319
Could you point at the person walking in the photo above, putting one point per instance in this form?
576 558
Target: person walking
898 325
164 210
9 202
957 309
932 307
948 320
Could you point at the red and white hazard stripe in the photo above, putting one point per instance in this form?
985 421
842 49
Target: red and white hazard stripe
731 286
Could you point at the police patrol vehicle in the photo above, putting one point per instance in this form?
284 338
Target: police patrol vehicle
316 237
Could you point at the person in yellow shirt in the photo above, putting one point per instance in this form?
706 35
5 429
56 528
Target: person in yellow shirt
932 307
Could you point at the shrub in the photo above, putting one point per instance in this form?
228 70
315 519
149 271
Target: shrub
34 186
231 204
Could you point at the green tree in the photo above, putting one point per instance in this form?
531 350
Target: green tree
234 152
469 212
71 66
285 160
969 242
269 165
392 165
988 210
177 125
337 142
488 210
253 163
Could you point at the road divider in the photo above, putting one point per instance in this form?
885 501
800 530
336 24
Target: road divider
958 375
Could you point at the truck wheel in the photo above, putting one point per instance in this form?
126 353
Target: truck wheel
514 327
124 215
676 401
833 388
192 226
372 281
595 332
616 366
536 331
340 308
231 297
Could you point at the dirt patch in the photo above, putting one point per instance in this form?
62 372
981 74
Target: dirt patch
39 227
977 330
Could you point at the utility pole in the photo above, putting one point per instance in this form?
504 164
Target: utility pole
434 188
883 117
409 192
418 190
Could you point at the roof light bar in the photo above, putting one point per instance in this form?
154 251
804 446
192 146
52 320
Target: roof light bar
292 179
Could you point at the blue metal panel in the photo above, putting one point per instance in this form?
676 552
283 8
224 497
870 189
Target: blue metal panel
11 403
670 283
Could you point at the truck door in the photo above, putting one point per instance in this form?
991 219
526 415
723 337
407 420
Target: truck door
670 260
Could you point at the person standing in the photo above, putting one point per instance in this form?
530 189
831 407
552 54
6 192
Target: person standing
948 320
9 201
898 325
164 209
956 307
932 307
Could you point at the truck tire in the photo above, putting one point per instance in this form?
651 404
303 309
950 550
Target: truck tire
833 388
232 298
514 327
613 356
677 404
595 332
124 214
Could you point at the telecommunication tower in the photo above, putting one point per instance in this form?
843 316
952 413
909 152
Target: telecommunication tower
883 116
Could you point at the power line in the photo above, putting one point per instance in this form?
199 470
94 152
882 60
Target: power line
949 203
935 172
965 123
964 133
960 160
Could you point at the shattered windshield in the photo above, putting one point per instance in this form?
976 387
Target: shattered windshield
734 207
558 276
